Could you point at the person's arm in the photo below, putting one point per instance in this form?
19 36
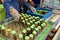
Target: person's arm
13 11
32 3
26 4
2 1
29 6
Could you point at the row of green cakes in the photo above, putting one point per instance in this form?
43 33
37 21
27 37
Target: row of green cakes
14 36
42 12
28 27
26 32
28 21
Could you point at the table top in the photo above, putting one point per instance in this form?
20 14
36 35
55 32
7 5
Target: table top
57 36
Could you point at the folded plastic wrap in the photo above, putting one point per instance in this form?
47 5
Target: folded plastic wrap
7 20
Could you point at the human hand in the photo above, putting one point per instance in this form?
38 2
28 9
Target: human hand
14 13
32 9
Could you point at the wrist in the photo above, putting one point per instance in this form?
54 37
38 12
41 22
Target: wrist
10 7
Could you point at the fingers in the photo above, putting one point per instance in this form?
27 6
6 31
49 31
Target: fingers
16 18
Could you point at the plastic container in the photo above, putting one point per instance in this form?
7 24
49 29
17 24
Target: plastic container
2 13
45 16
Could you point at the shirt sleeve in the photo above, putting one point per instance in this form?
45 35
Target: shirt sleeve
27 4
6 4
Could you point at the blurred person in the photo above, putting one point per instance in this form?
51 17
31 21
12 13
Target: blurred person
13 7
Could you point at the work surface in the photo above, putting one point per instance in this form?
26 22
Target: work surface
57 36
